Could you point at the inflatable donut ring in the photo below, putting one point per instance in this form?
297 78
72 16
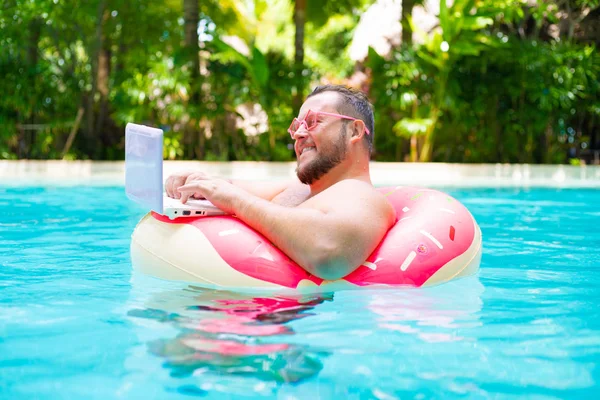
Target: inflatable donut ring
435 239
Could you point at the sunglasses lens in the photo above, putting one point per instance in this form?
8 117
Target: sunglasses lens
311 120
294 126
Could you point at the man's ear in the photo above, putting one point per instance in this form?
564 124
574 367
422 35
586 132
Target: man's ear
358 130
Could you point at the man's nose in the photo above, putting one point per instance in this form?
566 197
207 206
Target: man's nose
301 132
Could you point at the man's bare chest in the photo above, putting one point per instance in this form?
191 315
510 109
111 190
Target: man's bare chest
292 197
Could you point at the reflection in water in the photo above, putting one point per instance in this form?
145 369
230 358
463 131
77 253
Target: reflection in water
228 333
436 314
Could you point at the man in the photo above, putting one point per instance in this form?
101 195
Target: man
330 219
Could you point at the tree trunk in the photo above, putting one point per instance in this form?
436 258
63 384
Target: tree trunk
200 151
299 22
414 152
102 79
90 146
427 149
407 8
435 113
35 31
73 132
191 17
28 136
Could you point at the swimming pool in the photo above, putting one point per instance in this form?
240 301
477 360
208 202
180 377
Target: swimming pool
75 323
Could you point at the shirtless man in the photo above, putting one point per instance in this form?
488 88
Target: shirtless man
331 218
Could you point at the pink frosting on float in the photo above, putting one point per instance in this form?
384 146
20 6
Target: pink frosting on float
431 229
247 251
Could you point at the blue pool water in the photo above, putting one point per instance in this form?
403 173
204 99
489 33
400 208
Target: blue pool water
75 322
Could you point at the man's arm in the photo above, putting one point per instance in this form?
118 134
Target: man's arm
264 190
329 235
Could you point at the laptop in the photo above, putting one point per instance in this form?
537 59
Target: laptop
144 176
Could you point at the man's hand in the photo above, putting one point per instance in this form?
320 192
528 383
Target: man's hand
218 191
263 190
177 180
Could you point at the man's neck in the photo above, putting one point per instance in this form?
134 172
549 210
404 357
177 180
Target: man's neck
358 170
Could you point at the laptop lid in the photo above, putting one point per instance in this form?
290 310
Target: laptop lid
144 166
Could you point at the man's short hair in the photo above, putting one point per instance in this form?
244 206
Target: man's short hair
353 103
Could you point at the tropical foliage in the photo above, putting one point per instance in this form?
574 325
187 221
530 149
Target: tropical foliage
489 81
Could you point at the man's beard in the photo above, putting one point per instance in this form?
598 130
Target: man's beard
322 164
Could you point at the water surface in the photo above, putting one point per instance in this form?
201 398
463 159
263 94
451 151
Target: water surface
75 322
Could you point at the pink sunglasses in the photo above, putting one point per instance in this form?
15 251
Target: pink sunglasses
311 119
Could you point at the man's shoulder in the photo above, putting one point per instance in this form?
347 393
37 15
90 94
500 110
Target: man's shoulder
354 185
358 195
354 190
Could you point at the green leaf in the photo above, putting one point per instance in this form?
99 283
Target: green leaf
444 17
408 127
465 48
437 63
260 68
407 99
475 23
374 60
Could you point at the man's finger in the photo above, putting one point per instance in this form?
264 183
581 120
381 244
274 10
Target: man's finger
190 187
188 190
177 182
168 187
184 195
195 177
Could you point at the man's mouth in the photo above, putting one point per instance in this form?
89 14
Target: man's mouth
306 149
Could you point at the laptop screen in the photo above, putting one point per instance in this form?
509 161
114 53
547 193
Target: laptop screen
144 166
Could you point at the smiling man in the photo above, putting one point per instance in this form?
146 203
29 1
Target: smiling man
331 218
